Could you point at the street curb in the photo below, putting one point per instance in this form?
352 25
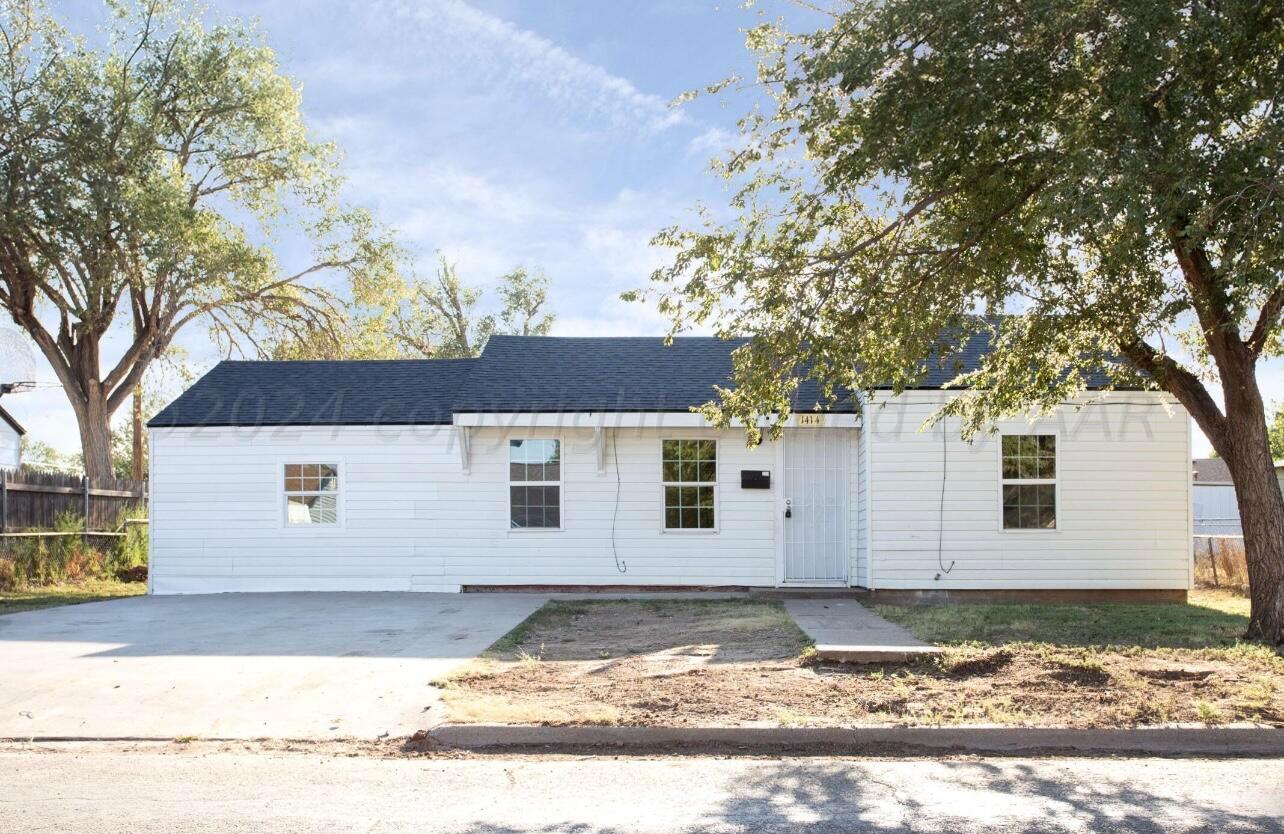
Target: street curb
1157 741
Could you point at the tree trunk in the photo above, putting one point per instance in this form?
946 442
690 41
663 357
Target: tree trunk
94 421
1240 436
137 457
1261 514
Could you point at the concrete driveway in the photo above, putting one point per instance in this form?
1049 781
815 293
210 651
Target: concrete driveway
307 665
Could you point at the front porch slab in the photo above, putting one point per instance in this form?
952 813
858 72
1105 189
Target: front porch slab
848 632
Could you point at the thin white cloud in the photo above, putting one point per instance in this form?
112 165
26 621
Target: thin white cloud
349 73
505 53
712 142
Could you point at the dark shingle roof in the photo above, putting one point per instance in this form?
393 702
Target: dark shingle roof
513 374
1211 471
9 418
972 352
549 373
400 392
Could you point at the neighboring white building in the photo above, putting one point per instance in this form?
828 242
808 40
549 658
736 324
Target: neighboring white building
1216 506
11 433
556 462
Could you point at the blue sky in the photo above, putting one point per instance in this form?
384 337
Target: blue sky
506 132
502 133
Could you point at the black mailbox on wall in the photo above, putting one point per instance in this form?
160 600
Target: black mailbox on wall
755 479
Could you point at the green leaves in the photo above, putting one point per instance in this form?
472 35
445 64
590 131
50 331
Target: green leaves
1108 171
441 318
1275 430
149 178
147 168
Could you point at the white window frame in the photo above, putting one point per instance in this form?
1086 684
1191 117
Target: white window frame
282 494
509 483
1054 482
717 507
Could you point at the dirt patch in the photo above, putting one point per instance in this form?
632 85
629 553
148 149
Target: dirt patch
1079 674
743 664
963 665
674 634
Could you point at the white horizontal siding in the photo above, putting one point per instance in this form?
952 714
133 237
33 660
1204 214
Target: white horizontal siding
10 446
1216 510
1123 490
412 519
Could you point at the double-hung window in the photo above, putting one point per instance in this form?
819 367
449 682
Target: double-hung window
1029 470
311 493
689 469
535 484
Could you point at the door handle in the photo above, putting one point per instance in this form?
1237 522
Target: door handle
789 509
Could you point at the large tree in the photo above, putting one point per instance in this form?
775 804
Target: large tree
1107 170
140 183
440 318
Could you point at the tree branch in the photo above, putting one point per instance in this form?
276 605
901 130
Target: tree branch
1174 378
1266 321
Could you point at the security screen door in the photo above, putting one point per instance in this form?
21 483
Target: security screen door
814 492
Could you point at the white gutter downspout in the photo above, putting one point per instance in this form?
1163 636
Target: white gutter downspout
866 431
151 511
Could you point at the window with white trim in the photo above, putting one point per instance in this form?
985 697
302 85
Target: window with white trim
311 493
1029 473
689 470
534 484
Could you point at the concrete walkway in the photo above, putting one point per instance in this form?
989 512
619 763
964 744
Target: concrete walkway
846 631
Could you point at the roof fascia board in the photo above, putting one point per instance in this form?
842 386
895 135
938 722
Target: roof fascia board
622 420
13 422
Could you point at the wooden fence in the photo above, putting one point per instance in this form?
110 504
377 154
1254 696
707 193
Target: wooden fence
31 500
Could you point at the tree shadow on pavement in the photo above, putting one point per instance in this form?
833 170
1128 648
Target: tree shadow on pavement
950 797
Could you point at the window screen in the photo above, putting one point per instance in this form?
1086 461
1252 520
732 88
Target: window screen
535 483
689 469
1029 482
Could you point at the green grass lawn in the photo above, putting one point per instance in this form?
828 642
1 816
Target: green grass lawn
95 590
1210 619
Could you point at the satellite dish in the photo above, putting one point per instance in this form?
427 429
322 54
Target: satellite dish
17 362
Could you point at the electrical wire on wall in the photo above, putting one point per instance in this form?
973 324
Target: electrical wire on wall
940 526
620 564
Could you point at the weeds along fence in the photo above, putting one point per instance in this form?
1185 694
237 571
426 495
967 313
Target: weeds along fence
1220 562
33 501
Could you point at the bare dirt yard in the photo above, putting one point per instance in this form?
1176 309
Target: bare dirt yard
745 663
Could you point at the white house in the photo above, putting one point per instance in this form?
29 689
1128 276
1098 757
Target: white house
560 462
11 432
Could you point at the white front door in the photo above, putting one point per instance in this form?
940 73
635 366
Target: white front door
815 507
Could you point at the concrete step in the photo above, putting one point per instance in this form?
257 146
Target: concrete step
854 653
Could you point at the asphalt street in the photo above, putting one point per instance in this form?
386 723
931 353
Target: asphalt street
83 788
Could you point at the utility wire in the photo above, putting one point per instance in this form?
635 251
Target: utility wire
620 564
940 526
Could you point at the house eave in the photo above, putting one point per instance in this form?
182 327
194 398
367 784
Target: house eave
629 419
13 423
